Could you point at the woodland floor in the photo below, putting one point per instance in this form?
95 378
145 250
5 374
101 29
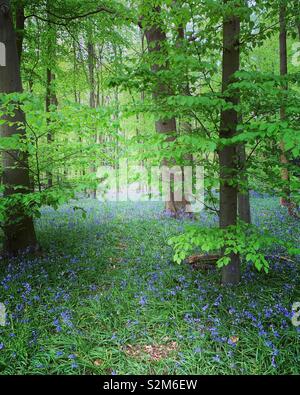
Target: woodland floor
106 298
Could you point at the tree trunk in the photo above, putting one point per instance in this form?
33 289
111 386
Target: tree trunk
285 201
19 233
75 74
156 39
91 66
100 95
244 209
227 154
186 126
51 98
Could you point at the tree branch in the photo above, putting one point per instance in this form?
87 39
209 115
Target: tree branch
79 16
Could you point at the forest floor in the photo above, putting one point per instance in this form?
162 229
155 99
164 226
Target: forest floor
106 298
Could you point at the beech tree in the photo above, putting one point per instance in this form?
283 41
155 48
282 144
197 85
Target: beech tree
19 233
244 209
92 98
51 97
228 128
157 46
286 200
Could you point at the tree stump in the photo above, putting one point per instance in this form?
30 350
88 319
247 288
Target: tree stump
203 262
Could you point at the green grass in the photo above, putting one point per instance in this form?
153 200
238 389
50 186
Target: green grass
106 287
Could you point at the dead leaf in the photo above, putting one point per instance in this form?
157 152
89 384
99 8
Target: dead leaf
234 339
154 352
115 259
121 246
208 259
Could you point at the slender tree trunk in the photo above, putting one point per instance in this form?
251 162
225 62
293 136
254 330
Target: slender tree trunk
100 93
91 66
142 33
228 154
285 201
140 117
156 40
244 209
75 75
186 126
99 76
77 100
116 116
19 233
51 98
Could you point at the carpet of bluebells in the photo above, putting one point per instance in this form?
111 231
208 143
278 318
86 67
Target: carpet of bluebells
104 297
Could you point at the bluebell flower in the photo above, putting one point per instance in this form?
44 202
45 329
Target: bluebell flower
216 358
143 301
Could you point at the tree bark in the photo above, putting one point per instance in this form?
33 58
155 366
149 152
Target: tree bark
244 209
283 73
51 98
186 126
228 153
286 200
92 83
156 40
19 233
